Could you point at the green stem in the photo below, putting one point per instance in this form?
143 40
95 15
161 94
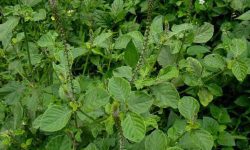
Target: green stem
237 124
27 47
176 140
86 63
239 137
76 123
85 114
89 49
110 59
119 128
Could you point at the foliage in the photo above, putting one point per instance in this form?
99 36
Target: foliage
116 74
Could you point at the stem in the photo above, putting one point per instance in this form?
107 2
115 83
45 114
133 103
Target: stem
86 63
76 123
121 137
176 140
118 127
206 80
239 137
237 124
214 75
89 49
88 116
110 59
99 120
27 47
71 135
190 10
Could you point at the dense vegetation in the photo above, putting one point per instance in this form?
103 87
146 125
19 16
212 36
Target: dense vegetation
125 74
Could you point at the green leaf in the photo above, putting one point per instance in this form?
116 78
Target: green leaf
117 10
119 88
203 139
91 146
205 96
245 16
168 73
139 102
166 58
197 140
95 98
192 80
2 112
47 40
61 71
175 46
12 92
239 70
133 127
157 140
79 51
7 27
40 15
197 50
101 40
17 111
32 101
215 61
36 122
182 27
194 66
151 120
189 108
178 129
166 95
117 6
34 54
109 124
238 46
131 55
16 67
59 142
156 28
174 148
157 25
215 89
123 71
204 33
220 114
64 58
237 5
122 42
242 101
137 38
30 2
226 139
210 125
54 118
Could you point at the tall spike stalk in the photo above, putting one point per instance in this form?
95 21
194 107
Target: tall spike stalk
62 33
145 41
